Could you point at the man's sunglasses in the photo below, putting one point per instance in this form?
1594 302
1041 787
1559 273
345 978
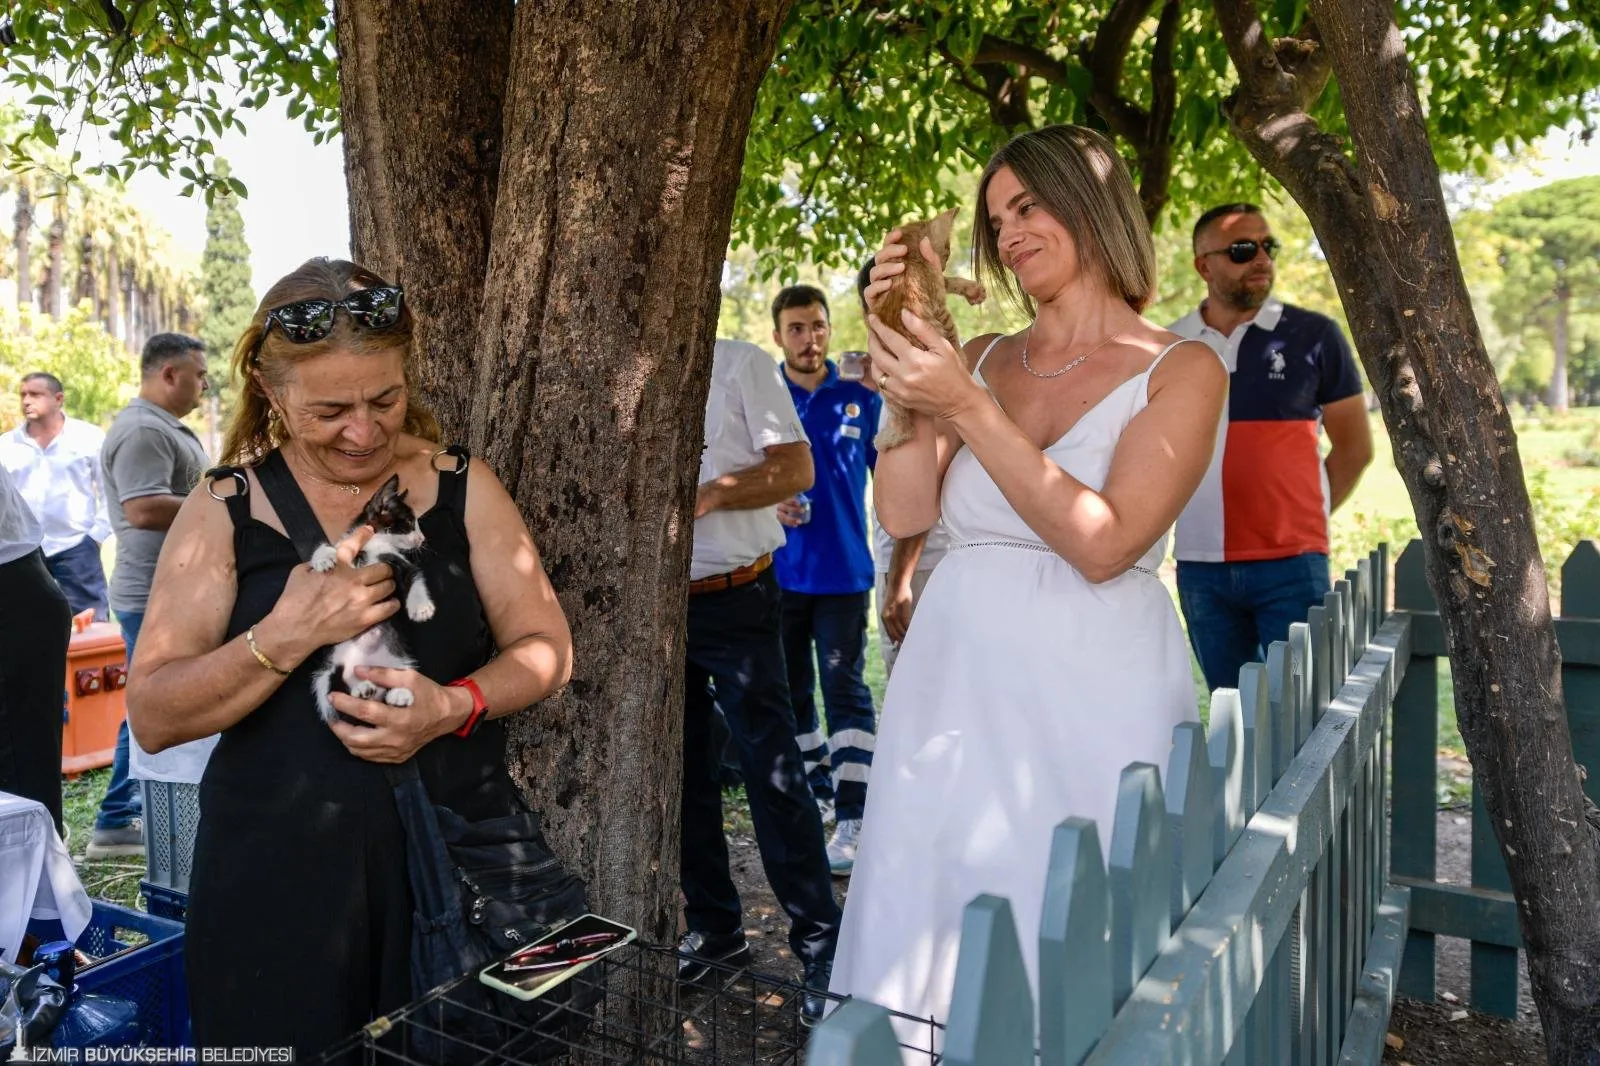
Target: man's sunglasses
308 321
1243 251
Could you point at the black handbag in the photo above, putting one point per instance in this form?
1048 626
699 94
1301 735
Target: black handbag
480 889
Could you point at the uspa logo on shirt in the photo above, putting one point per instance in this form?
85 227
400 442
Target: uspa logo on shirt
1276 366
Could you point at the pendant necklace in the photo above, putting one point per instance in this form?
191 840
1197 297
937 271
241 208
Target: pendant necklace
1069 366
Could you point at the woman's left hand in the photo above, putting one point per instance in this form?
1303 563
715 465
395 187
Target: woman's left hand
394 734
931 379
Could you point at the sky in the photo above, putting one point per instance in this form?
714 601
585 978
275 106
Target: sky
296 208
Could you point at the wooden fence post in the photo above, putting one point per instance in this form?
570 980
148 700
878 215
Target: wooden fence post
991 1007
857 1034
1141 879
1191 816
1074 947
1225 748
1415 767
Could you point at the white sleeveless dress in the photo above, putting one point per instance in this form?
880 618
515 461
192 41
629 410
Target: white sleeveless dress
1020 693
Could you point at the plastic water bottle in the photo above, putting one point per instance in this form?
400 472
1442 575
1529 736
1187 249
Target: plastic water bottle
805 508
91 1020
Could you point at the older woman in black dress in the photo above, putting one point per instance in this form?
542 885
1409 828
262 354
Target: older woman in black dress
299 921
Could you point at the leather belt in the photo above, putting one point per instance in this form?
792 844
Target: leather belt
732 579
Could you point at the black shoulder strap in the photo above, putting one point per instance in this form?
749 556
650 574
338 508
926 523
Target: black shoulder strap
238 501
299 521
453 477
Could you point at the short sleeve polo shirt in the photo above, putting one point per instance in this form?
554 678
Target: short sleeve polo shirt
831 555
1265 495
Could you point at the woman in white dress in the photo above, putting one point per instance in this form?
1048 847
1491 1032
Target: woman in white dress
1045 655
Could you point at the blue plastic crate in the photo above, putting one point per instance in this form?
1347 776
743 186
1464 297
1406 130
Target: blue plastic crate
149 973
164 902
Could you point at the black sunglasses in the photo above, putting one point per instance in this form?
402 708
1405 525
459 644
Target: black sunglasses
1243 251
308 321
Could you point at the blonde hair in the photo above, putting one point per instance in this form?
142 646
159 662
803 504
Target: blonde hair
253 432
1077 176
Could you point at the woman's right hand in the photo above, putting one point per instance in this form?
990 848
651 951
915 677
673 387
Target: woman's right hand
319 609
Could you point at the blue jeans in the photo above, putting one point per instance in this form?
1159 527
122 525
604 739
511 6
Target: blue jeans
1235 610
123 801
81 576
836 626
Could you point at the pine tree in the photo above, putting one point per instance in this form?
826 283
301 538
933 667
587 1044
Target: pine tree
229 296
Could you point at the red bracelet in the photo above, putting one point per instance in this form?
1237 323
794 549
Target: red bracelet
480 708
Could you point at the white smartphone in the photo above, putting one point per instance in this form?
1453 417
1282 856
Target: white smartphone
530 972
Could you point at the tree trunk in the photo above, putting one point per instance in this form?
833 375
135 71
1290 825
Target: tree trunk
127 308
593 254
58 241
1560 340
1383 224
86 287
422 177
22 238
112 296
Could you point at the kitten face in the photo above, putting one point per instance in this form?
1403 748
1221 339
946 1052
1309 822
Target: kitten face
388 512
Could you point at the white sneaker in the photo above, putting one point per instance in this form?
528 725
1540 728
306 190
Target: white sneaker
842 848
825 808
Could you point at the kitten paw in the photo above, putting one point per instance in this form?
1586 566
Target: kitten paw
419 605
323 559
398 697
365 690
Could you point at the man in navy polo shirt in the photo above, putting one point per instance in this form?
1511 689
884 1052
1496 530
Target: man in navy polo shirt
1252 544
826 570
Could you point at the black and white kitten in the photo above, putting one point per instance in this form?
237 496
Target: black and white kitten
395 541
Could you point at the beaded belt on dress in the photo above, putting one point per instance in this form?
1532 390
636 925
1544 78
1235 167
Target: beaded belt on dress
1027 546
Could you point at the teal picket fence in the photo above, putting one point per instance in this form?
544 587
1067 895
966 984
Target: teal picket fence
1483 911
1242 914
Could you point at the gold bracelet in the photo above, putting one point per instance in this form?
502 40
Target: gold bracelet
261 656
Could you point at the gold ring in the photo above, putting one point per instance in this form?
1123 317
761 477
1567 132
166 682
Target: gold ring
883 381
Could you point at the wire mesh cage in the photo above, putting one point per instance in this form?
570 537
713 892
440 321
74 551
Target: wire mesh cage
631 1009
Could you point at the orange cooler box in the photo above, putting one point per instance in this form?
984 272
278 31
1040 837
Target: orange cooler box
97 672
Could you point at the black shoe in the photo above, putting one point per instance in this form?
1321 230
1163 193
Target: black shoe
814 1000
697 950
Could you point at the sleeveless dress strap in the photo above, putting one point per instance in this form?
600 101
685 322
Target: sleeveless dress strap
1151 369
453 478
238 501
283 492
978 366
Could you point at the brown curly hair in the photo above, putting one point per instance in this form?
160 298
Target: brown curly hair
253 432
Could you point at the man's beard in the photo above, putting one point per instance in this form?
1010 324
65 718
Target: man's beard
1242 297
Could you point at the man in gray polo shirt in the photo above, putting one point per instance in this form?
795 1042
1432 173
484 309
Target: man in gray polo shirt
151 461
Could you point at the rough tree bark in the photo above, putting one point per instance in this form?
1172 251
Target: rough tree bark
22 238
620 134
57 238
1382 221
420 85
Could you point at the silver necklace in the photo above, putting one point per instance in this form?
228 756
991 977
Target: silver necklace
1070 365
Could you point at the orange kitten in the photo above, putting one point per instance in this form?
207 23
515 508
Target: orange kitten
922 290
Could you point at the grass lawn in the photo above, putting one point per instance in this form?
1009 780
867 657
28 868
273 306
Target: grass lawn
113 879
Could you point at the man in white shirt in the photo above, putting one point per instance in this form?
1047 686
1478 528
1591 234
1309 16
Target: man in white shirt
756 455
35 627
55 462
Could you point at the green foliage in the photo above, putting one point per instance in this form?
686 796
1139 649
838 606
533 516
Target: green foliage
99 374
163 80
225 282
868 106
1548 245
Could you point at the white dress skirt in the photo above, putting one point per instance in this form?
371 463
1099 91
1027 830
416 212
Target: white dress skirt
1020 693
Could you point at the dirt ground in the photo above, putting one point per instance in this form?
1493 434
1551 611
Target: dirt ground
1443 1033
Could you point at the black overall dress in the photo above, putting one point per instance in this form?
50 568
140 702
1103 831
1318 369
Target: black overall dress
300 912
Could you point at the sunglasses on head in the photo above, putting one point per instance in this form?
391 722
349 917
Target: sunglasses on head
308 321
1243 251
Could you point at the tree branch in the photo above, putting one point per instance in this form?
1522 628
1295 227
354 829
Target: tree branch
993 49
1155 161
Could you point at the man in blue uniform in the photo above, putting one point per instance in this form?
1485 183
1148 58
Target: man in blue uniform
826 569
